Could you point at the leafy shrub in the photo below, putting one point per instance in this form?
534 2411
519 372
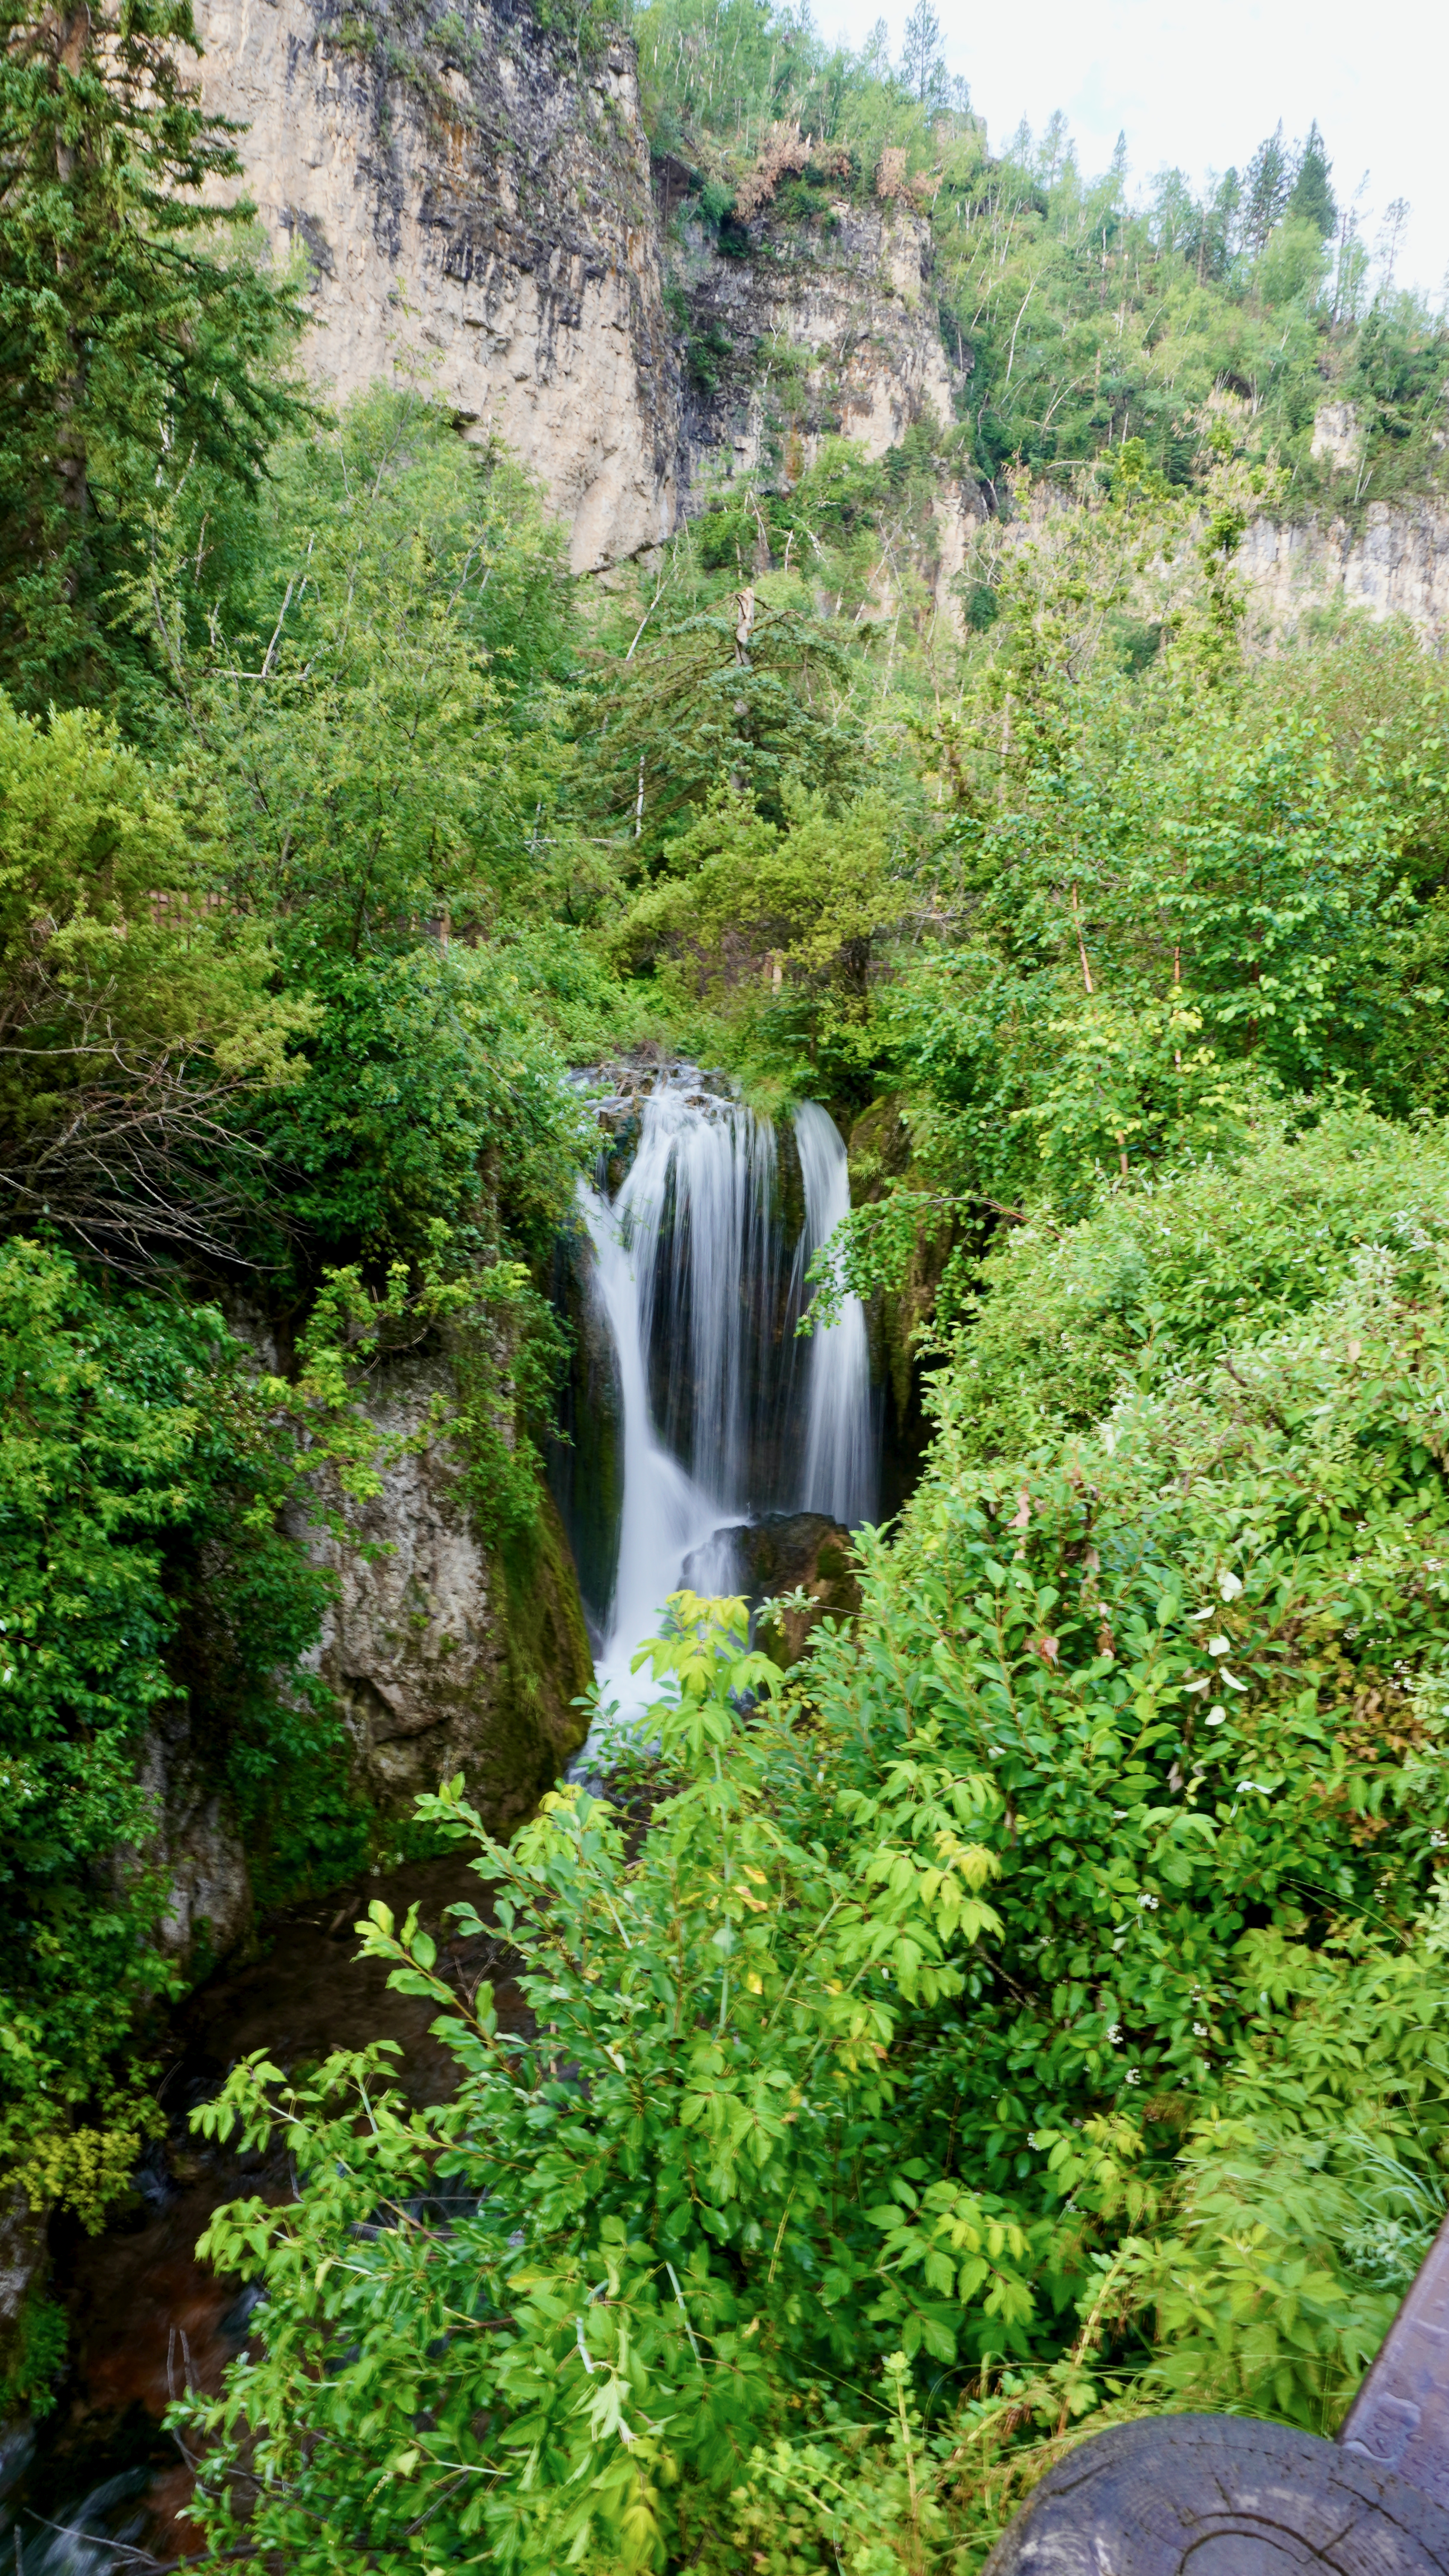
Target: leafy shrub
139 1477
433 1097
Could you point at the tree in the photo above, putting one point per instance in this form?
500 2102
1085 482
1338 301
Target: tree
138 335
923 63
142 1471
137 1013
1312 200
1391 234
1266 189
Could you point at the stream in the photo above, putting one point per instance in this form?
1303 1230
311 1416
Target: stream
726 1427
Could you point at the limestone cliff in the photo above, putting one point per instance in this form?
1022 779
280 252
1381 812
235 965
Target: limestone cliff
469 189
445 1655
826 325
472 196
1395 563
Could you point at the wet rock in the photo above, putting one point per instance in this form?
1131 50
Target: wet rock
23 2264
586 1461
198 1843
782 1552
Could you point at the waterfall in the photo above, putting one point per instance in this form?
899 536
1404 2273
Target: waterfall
724 1415
840 1444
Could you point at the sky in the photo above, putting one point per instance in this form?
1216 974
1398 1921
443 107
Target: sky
1201 87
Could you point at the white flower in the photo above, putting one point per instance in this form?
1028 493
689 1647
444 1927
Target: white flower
1217 1716
1115 2034
1225 1676
1132 2075
1229 1585
1220 1645
1203 1682
1199 2030
1149 1901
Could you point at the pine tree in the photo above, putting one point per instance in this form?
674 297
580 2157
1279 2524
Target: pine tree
923 64
138 336
1312 199
1266 189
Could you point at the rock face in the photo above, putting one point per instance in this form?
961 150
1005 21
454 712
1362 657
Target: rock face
586 1461
471 196
198 1843
446 1657
1395 565
824 326
784 1552
468 190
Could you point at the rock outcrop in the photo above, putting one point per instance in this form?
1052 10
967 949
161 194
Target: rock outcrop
1395 563
804 1554
445 1655
199 1843
824 325
471 196
442 1653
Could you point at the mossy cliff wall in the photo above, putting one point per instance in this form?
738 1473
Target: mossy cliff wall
441 1654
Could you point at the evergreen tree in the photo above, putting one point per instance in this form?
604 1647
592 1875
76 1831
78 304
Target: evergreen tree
137 337
923 66
1312 199
1266 189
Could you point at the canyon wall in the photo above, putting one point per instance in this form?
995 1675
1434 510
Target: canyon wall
471 196
473 199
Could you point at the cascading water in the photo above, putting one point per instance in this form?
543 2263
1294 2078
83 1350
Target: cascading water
724 1415
841 1444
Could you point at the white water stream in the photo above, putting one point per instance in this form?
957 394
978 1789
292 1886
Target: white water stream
724 1414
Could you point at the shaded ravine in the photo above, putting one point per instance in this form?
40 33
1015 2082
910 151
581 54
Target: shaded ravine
146 2318
746 1456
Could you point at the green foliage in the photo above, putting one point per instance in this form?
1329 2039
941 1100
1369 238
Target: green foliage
1087 320
137 1015
1161 1278
791 913
1046 1988
140 333
691 2131
1033 2008
38 2338
433 1096
376 697
1076 319
723 694
723 85
141 1478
